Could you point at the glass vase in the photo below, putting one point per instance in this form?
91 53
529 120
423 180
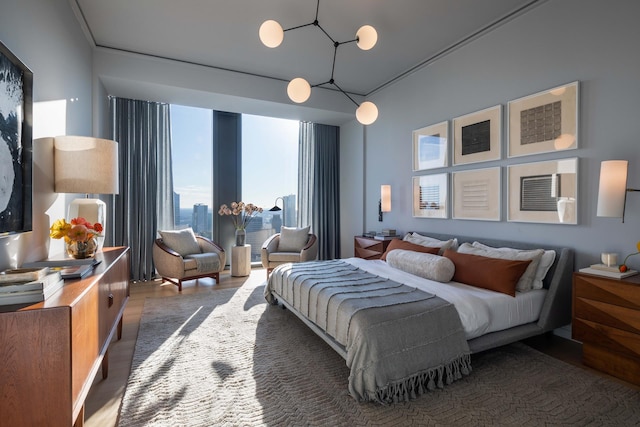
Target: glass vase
82 250
240 236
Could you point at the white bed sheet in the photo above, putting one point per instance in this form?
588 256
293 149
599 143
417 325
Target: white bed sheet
481 311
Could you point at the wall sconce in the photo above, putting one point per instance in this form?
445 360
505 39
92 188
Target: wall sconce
86 165
384 205
612 191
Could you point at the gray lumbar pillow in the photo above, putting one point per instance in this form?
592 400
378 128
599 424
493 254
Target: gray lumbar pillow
293 239
182 241
432 267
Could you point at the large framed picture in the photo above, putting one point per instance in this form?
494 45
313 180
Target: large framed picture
16 154
477 136
476 194
431 146
430 196
545 192
544 122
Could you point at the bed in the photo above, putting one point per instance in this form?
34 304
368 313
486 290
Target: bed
391 354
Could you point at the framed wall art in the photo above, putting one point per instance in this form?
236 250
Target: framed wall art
16 153
431 146
545 192
477 136
430 196
544 122
476 194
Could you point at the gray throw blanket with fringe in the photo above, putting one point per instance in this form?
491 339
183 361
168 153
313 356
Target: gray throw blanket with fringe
400 341
206 262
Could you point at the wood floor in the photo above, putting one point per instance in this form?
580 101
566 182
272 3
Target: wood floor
103 402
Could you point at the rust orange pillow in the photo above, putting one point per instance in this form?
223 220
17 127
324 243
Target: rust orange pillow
495 274
408 246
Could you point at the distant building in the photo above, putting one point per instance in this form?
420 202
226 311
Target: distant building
200 220
290 211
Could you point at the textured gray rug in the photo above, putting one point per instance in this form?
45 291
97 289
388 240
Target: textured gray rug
225 358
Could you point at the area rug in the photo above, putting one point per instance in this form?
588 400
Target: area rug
226 358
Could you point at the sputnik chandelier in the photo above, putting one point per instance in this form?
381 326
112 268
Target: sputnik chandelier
299 90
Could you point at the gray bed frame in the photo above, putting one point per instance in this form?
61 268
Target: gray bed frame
556 308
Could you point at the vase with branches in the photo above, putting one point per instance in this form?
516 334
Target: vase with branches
241 214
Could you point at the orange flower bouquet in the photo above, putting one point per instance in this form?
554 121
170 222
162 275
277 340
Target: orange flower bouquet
79 235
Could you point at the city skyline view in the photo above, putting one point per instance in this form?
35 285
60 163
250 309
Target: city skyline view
269 158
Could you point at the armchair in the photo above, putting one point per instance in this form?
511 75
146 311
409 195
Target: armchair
274 253
184 259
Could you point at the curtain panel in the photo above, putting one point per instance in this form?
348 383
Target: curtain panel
319 185
145 202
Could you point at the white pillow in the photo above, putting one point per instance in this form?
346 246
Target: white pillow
429 266
431 242
182 241
293 239
548 256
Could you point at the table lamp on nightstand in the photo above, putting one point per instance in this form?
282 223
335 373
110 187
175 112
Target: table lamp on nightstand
86 165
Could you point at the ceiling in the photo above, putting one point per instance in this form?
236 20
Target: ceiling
224 34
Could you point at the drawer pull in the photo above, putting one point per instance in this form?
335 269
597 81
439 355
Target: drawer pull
110 300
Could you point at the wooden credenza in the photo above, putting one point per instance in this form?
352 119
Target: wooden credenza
606 318
50 352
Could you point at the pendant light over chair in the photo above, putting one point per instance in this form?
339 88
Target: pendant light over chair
299 90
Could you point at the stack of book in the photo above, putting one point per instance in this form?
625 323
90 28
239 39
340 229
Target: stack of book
69 268
386 234
28 285
606 271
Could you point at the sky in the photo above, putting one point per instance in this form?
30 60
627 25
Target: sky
269 157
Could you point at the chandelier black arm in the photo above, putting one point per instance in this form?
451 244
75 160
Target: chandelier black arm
301 26
333 83
345 93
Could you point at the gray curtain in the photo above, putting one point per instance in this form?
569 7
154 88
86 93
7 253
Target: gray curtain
145 202
319 185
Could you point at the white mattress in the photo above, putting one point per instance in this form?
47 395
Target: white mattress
481 311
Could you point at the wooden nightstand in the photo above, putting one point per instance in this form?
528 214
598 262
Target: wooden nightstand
606 318
369 248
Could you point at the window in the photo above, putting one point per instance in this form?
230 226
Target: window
191 153
269 175
269 172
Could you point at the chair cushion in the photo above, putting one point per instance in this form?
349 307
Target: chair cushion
182 241
284 257
293 239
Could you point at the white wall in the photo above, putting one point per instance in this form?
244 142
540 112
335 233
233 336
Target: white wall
45 35
557 42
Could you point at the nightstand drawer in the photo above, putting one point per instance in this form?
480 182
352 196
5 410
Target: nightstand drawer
606 314
614 340
612 291
369 248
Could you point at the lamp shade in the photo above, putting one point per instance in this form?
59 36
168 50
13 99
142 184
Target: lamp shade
385 198
271 33
85 165
367 37
299 90
612 189
367 113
